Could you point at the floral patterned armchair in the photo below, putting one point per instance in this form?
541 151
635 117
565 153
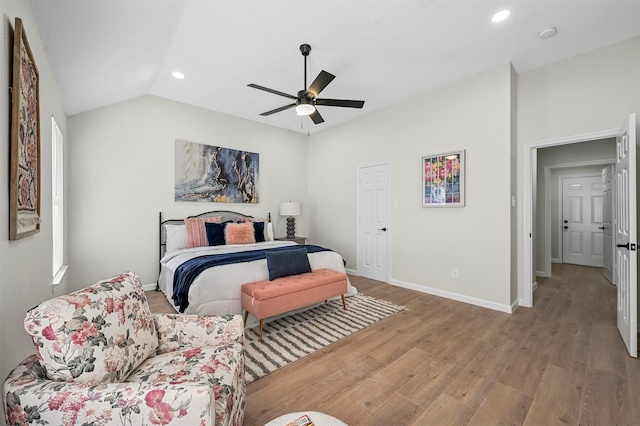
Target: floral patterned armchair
102 358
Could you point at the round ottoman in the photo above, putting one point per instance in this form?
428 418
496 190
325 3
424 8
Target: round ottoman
318 419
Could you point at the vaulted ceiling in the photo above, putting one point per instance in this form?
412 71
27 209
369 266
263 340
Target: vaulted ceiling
106 51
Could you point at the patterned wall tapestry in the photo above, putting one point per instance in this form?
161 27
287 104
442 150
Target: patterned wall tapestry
24 197
215 174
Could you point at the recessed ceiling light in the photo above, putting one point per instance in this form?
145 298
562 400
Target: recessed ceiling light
547 32
500 16
178 75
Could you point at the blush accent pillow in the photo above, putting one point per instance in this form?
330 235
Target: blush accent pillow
282 263
98 334
215 233
267 228
239 233
197 235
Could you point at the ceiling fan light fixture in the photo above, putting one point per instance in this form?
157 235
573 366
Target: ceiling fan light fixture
305 107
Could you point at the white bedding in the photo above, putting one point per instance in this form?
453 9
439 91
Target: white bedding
216 291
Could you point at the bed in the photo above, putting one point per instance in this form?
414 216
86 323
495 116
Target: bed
215 287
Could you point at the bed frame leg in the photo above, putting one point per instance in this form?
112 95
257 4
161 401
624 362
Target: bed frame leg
344 303
246 314
260 334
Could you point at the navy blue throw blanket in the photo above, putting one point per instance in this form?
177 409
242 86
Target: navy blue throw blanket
189 270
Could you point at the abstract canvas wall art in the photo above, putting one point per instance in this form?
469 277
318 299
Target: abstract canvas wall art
215 174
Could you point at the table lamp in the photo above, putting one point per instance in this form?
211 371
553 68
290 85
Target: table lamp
290 209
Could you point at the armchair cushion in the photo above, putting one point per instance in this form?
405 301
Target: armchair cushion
177 331
100 333
30 398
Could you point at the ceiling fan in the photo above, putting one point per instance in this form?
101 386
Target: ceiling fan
306 100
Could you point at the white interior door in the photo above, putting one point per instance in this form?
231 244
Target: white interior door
582 221
626 233
373 207
607 223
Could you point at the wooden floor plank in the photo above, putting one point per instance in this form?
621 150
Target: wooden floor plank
475 382
503 406
557 401
445 411
397 411
606 400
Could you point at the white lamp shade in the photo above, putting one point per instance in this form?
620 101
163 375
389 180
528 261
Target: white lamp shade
290 208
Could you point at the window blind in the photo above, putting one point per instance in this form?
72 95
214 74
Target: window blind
57 214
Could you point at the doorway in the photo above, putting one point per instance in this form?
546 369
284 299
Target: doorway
534 196
625 224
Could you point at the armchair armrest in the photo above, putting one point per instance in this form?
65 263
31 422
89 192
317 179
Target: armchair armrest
28 394
176 332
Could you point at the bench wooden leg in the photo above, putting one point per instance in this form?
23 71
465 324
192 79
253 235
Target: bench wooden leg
260 334
344 303
246 314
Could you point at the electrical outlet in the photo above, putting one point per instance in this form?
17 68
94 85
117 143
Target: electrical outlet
454 274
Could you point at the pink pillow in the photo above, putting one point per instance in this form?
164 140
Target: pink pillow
239 233
268 229
196 234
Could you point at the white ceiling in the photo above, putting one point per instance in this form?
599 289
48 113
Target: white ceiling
107 51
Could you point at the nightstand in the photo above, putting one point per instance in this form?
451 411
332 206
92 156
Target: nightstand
298 240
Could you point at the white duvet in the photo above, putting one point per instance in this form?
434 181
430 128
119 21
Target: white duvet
216 291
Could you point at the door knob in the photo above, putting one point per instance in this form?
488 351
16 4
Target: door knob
383 229
565 227
601 227
623 246
566 221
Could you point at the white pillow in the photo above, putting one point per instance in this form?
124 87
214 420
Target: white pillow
268 232
177 237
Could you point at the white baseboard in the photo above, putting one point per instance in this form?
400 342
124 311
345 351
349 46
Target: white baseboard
556 261
543 274
149 287
351 272
459 297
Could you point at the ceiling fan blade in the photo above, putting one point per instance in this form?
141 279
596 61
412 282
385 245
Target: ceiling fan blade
316 117
275 92
273 111
322 80
340 103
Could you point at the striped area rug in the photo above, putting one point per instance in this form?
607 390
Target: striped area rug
293 337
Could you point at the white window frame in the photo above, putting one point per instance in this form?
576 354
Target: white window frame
57 202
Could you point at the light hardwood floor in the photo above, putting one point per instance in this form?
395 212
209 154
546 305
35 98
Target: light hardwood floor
443 362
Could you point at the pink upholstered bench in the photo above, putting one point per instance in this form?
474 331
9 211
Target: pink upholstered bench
266 298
